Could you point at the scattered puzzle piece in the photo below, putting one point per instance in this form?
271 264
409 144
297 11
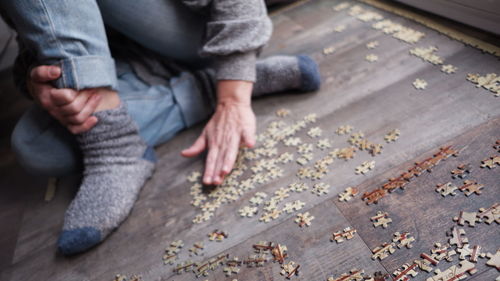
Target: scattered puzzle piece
470 187
217 235
446 189
293 206
427 54
346 153
440 252
248 211
315 132
372 45
423 264
298 186
381 218
320 188
403 239
282 112
348 194
392 135
279 253
371 58
383 251
323 144
449 69
406 270
256 260
345 129
419 84
494 259
454 272
232 266
339 236
365 167
290 269
372 197
353 275
458 237
490 81
462 171
375 149
469 217
474 253
491 214
491 162
196 249
304 219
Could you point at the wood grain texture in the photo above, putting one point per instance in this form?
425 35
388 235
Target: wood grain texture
373 97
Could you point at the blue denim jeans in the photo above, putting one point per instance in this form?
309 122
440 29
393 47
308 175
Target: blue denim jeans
71 34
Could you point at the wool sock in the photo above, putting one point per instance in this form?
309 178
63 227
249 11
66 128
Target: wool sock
283 73
117 163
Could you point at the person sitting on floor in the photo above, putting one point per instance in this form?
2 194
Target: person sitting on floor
101 107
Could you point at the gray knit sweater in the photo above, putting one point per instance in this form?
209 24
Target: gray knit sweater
236 31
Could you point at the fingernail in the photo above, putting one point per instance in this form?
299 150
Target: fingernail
54 71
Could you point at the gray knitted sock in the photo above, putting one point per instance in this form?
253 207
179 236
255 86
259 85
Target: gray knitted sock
117 164
283 73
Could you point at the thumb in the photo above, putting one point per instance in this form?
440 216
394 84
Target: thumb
248 138
198 147
45 73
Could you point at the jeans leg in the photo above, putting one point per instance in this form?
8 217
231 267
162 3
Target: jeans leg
69 33
45 147
165 26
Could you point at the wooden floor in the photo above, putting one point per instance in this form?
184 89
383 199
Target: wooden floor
374 98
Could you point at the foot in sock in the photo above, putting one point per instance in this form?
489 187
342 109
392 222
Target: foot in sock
117 164
283 73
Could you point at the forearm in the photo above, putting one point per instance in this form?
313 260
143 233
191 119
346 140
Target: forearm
234 92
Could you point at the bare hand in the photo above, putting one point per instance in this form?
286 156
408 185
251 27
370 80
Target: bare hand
72 108
232 124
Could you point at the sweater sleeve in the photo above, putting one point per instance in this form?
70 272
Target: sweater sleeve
235 33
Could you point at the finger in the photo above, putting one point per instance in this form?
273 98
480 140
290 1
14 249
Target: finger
230 157
77 105
210 163
198 147
41 94
82 128
63 97
45 73
86 111
248 137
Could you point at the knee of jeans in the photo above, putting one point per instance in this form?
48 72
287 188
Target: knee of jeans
39 159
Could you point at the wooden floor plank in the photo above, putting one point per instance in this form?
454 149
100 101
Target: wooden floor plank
373 97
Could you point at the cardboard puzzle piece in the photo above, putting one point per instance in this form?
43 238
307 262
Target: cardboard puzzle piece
347 153
348 194
458 237
424 265
372 197
248 211
279 253
469 217
491 214
371 58
403 239
375 149
446 189
291 207
353 275
448 68
392 136
494 259
454 272
282 112
372 44
185 266
232 266
290 269
217 235
196 249
383 251
427 54
365 167
344 129
304 219
381 219
406 270
469 187
473 253
320 188
298 186
491 162
439 253
346 234
315 132
257 260
462 171
420 84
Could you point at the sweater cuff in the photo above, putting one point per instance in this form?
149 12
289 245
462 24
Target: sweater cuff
237 66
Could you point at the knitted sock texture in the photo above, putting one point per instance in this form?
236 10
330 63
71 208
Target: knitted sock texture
114 172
